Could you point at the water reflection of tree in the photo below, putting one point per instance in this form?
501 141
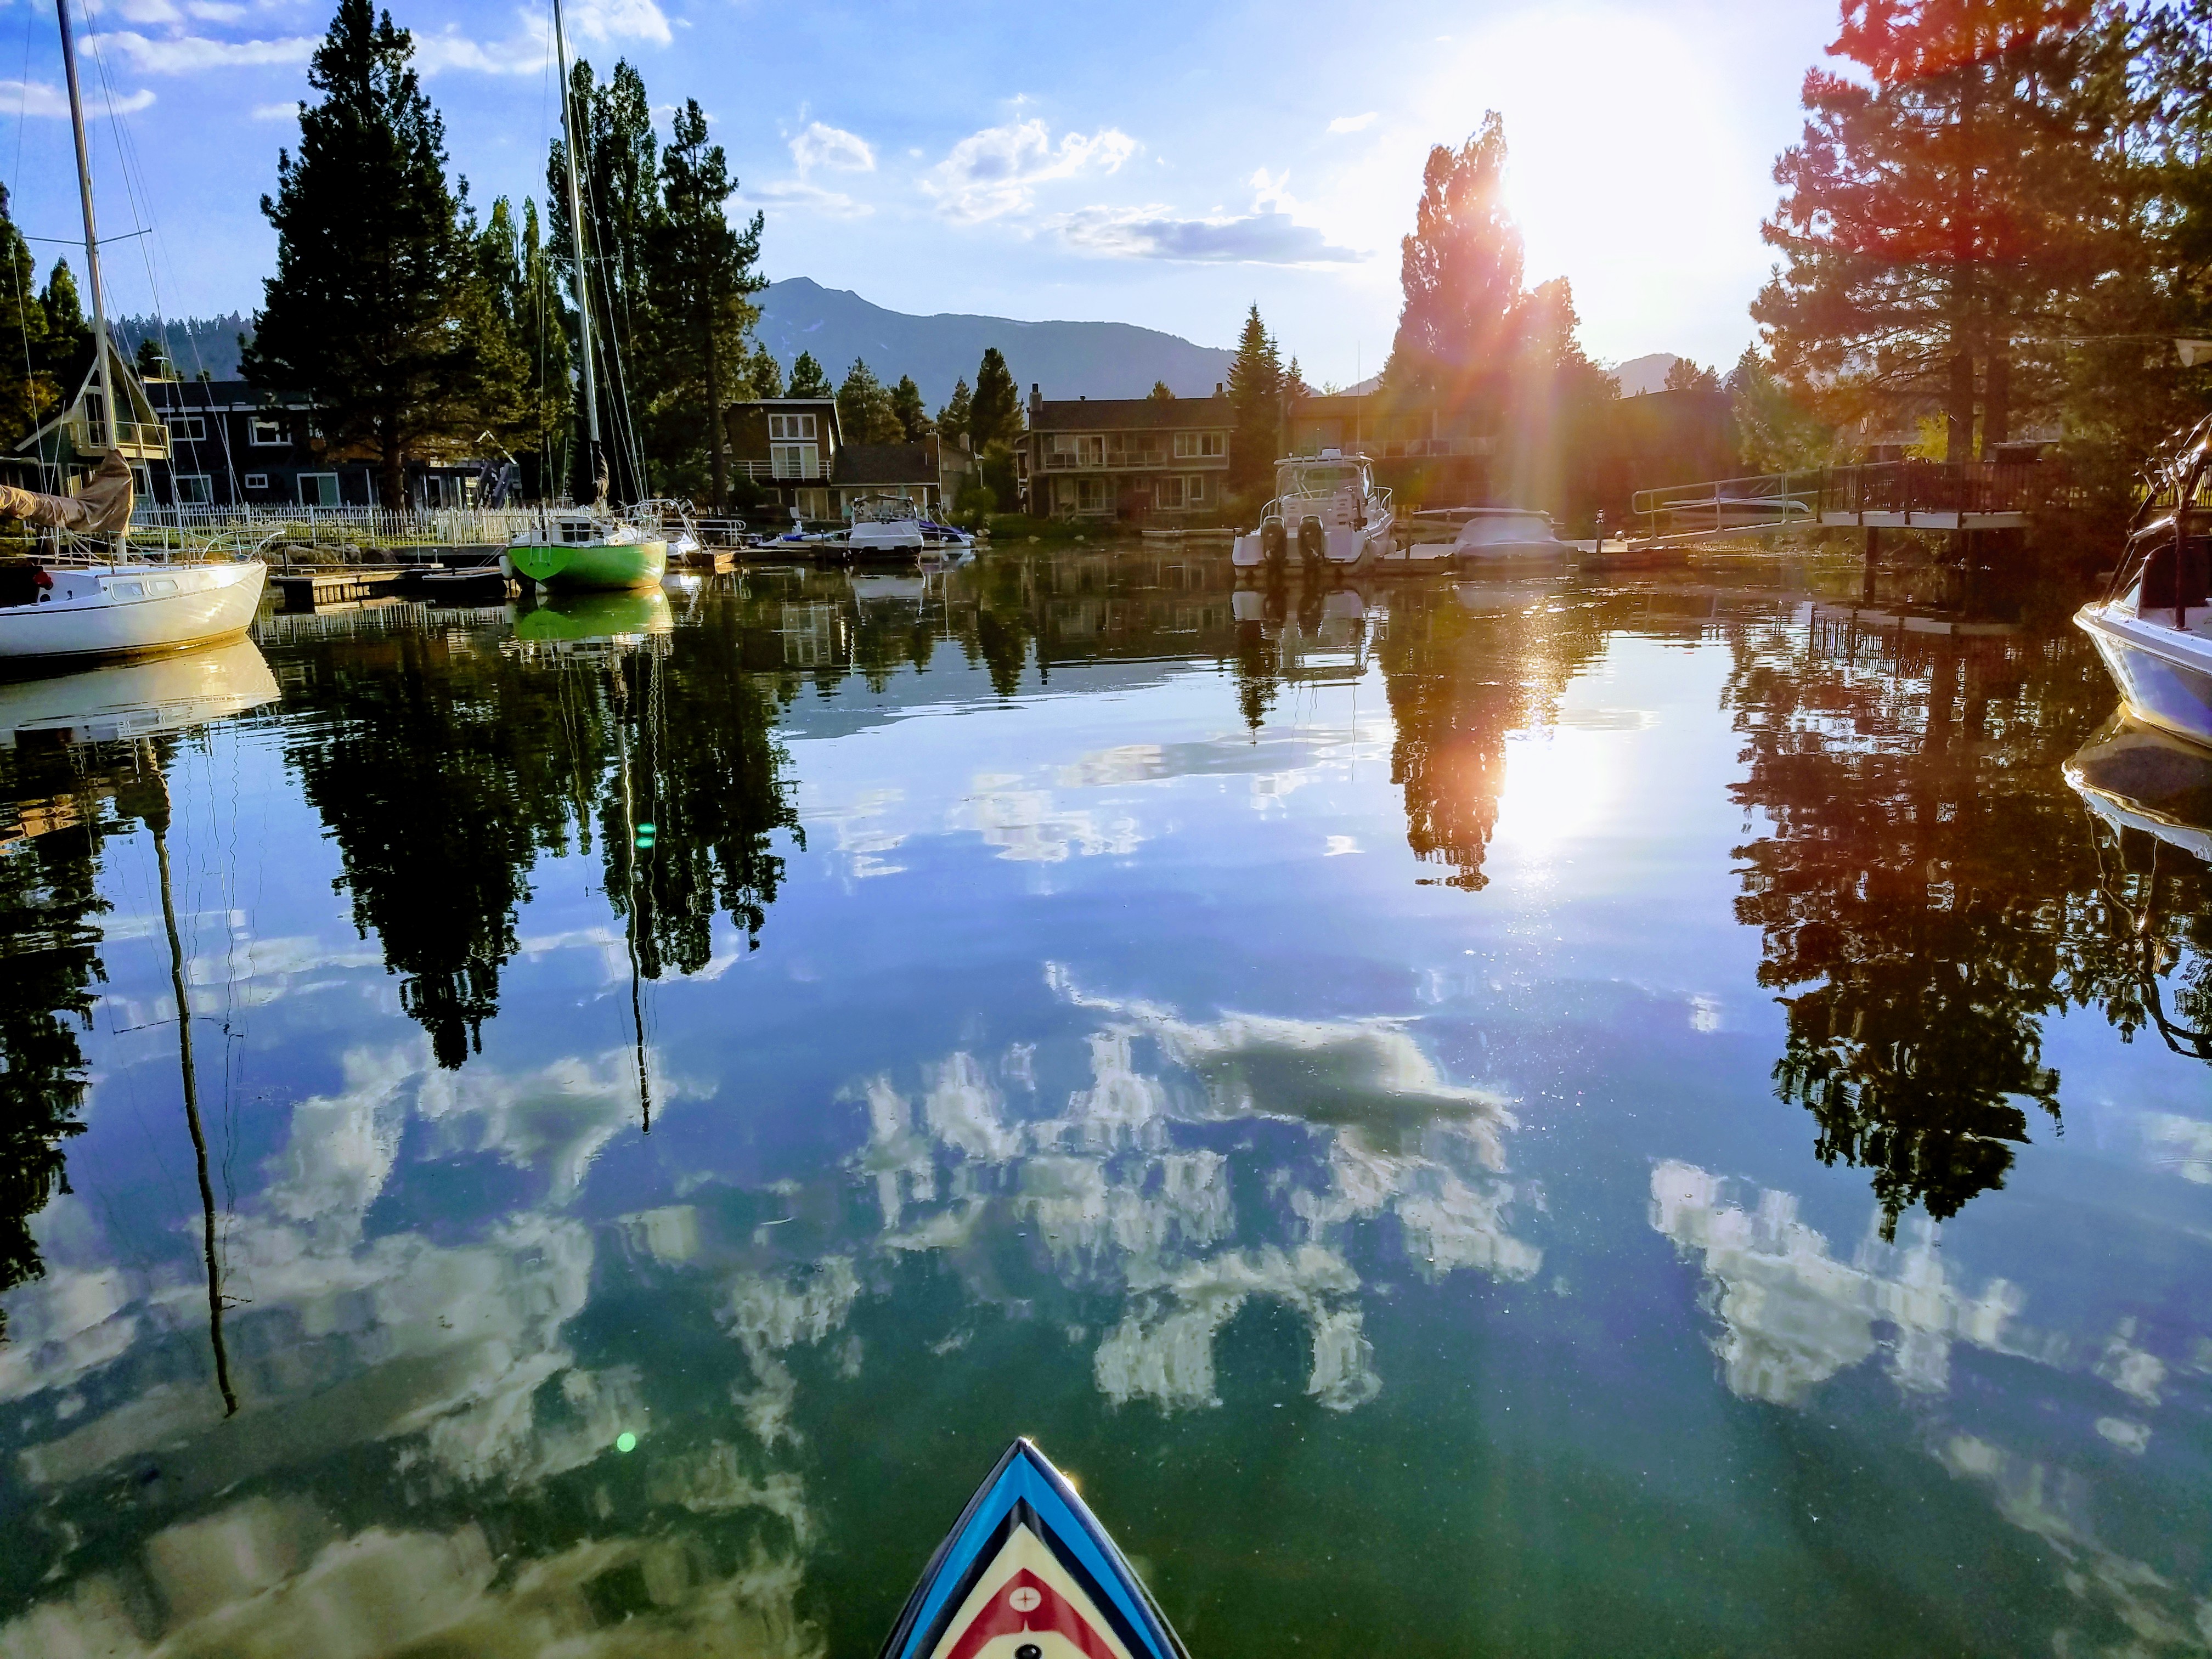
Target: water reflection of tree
1460 678
442 770
53 807
1928 886
707 773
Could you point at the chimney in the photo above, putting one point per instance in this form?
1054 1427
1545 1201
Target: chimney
1036 403
1216 388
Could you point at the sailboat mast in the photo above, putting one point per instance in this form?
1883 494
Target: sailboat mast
92 236
576 241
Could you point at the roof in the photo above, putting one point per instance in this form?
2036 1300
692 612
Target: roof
884 464
221 395
1128 414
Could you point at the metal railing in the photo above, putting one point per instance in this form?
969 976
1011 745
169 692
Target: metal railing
343 526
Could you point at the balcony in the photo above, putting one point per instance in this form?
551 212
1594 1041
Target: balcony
137 440
770 472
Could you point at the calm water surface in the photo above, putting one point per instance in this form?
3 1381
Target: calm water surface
1632 1120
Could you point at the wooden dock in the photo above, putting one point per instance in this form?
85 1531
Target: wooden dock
311 590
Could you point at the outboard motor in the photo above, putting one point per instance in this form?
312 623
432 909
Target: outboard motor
1274 544
1313 542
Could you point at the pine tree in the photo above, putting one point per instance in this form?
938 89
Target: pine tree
1160 394
27 394
1460 270
1255 401
375 288
995 410
953 420
865 415
807 380
66 357
524 305
619 175
763 374
1945 206
906 403
700 273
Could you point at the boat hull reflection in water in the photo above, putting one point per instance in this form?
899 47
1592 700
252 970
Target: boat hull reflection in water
1550 1118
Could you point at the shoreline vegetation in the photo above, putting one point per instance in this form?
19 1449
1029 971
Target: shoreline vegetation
1993 240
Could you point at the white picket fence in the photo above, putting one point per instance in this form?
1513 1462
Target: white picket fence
340 526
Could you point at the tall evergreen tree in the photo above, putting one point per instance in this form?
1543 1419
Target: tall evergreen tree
1160 394
28 391
807 380
700 274
865 415
619 171
1950 203
1255 401
525 306
995 408
763 374
66 355
906 403
953 420
375 309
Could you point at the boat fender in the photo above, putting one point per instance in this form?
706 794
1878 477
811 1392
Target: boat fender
1274 544
1313 541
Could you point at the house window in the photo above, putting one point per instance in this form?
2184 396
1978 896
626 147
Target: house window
319 489
1167 493
1077 449
1200 446
187 428
797 428
796 460
257 481
1193 490
1090 496
194 489
265 430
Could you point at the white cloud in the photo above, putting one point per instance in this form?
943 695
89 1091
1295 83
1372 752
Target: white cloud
275 112
1154 233
823 146
619 20
993 172
190 54
1352 123
43 98
530 48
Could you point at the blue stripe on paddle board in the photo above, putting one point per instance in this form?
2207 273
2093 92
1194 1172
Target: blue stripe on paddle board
1024 1478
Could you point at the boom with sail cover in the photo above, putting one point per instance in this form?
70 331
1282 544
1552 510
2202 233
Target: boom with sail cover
102 507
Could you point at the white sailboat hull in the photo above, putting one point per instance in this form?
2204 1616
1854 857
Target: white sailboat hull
121 611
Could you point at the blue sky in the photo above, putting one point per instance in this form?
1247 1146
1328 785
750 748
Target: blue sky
1159 164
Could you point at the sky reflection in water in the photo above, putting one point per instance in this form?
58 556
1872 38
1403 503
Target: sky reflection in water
1626 1121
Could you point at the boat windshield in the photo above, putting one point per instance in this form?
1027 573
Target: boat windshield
1304 479
882 509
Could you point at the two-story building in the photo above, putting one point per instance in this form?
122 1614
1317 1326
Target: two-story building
1425 452
1127 458
793 451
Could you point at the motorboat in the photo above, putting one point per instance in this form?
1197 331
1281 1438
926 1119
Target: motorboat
1327 512
885 523
2154 626
1504 535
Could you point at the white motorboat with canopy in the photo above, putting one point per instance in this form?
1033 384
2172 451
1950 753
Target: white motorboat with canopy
1491 536
2154 626
78 602
1327 512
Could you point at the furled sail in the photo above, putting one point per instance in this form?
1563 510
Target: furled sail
102 507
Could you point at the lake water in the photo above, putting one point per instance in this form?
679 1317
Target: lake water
1641 1119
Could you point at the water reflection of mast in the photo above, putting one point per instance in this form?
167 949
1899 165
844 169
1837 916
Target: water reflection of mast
631 829
158 822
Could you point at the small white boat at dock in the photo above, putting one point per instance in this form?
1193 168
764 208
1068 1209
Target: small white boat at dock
1327 512
2154 627
1503 536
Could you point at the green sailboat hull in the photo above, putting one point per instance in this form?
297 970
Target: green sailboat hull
591 565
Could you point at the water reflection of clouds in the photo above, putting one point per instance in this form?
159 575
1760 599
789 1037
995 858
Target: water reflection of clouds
1793 1315
1128 1200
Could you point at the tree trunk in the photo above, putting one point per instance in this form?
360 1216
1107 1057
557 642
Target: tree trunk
392 468
714 449
1959 406
1997 394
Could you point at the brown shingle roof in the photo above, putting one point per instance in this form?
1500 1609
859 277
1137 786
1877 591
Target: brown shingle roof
1128 414
884 464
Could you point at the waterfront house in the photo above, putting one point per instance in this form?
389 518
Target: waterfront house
1127 458
787 449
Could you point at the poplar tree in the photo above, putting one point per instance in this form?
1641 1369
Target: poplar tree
1255 401
1950 205
807 380
995 408
373 310
700 273
1460 270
